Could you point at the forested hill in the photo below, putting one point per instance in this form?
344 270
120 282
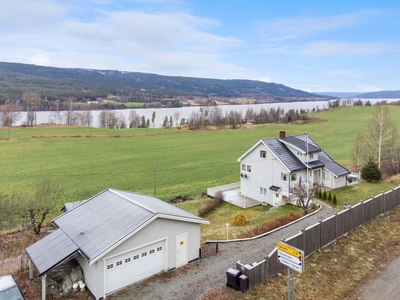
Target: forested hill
381 94
58 83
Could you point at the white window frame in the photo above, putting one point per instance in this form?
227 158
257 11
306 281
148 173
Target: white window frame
284 177
293 177
263 154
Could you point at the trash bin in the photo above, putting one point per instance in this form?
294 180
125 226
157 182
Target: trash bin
243 283
232 276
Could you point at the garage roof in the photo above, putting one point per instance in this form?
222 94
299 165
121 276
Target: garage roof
98 224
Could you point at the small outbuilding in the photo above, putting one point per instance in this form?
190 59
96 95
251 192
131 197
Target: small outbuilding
119 238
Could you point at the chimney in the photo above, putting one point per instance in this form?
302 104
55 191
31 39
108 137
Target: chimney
282 134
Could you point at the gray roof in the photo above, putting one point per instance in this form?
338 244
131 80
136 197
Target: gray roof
99 223
281 150
60 247
284 154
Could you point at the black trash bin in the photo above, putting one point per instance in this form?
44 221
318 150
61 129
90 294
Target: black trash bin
243 283
232 276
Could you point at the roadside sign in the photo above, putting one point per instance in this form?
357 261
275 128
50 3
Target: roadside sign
291 256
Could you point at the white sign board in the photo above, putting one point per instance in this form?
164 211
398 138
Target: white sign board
291 257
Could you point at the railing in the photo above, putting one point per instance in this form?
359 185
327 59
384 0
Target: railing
323 233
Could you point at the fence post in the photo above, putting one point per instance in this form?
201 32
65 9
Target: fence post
362 212
350 228
336 226
320 235
266 267
384 206
303 230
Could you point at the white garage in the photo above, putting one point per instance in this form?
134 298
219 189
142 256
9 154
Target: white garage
119 238
135 265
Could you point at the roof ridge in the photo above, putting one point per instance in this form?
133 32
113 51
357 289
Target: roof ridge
133 201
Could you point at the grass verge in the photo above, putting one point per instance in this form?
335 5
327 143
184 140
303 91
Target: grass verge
328 274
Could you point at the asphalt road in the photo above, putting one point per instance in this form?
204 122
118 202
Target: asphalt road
383 285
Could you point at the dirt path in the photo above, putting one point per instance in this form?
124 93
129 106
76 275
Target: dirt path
196 278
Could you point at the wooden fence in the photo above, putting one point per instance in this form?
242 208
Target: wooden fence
321 234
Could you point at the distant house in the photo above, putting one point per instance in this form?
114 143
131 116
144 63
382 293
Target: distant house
119 238
272 167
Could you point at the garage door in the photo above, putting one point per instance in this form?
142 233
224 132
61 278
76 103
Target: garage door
134 266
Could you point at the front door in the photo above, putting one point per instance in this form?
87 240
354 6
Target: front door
181 250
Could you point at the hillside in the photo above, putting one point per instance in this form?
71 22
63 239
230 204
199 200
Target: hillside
381 94
59 83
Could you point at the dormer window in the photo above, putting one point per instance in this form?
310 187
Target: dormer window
311 155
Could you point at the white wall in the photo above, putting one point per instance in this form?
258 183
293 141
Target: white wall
158 229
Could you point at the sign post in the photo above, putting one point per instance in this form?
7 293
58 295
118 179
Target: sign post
293 258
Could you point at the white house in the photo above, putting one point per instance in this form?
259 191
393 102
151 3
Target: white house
119 238
272 167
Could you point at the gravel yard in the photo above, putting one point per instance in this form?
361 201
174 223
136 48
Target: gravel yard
198 277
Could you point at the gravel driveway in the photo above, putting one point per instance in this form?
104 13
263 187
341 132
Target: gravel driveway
198 277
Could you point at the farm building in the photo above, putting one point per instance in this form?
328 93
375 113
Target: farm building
119 238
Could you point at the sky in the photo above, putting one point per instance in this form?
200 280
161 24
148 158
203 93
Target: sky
316 46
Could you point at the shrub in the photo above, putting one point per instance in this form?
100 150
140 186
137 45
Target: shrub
334 200
239 219
211 204
324 196
370 172
329 196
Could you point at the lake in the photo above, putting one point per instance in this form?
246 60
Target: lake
184 112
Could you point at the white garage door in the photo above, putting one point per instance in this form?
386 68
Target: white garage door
130 267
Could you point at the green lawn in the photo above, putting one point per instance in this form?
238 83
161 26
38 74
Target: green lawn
89 160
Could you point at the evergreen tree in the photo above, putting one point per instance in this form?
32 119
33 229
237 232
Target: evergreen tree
329 196
334 200
370 172
324 196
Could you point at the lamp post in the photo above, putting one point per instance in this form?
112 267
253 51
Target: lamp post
227 230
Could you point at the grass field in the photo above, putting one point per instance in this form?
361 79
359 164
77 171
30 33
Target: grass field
88 160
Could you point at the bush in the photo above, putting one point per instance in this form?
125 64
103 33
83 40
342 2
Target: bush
324 196
329 196
334 200
211 204
370 172
239 219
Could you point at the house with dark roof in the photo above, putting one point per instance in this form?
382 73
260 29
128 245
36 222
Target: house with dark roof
119 238
272 167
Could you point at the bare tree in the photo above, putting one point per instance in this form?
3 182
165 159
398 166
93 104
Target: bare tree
177 114
9 115
33 208
359 152
382 134
134 119
32 103
300 196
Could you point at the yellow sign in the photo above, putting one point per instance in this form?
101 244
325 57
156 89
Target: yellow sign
288 250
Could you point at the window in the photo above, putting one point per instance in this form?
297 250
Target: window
119 263
159 248
311 155
144 254
277 195
293 177
127 260
246 168
136 257
263 191
110 266
263 153
151 251
325 175
284 176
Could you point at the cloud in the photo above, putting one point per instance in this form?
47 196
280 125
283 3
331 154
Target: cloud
324 48
173 42
345 73
290 28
